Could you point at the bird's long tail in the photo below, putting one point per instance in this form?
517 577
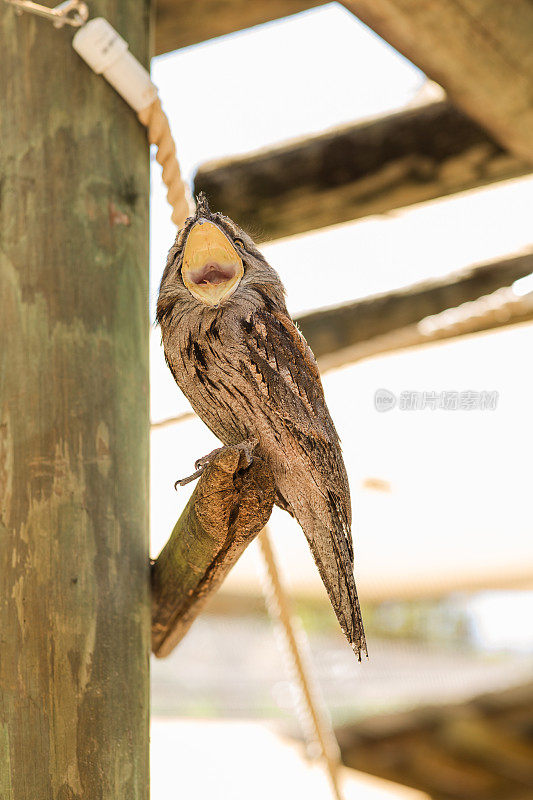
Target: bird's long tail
333 557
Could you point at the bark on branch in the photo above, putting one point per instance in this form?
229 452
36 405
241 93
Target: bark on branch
228 508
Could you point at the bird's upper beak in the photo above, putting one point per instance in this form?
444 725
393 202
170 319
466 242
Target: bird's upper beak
211 267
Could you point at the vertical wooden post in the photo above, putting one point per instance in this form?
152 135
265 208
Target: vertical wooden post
74 604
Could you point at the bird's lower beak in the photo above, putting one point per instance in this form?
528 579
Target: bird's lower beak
211 268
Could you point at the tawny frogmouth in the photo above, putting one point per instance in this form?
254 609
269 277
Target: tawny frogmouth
250 376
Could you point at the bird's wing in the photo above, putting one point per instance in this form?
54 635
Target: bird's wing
282 369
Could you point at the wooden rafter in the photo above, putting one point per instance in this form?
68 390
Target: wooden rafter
180 23
479 51
496 310
355 170
480 748
334 331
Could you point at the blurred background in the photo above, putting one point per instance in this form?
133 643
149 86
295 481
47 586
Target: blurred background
431 400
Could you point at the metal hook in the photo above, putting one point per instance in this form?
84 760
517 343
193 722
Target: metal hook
71 12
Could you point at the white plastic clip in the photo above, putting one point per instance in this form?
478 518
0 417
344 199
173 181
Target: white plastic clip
106 52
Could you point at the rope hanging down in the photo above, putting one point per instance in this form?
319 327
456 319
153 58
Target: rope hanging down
312 711
107 53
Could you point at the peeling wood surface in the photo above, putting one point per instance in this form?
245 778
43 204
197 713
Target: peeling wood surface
74 577
180 23
228 508
355 170
479 51
332 330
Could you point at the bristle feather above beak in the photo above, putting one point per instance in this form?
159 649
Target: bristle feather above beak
202 206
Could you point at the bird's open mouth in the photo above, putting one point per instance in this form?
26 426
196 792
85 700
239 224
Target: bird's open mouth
213 274
211 268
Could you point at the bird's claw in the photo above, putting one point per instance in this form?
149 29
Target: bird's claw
246 448
203 462
188 479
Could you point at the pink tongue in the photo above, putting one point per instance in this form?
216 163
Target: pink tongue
213 276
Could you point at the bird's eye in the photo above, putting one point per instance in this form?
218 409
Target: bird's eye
239 243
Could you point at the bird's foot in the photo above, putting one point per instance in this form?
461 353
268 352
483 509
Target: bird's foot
246 447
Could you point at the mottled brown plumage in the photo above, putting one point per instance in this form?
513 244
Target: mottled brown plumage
251 377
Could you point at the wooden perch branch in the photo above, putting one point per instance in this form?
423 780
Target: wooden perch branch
228 508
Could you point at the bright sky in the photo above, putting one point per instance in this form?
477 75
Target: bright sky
460 481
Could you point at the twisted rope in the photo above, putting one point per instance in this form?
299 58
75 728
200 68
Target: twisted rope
312 710
155 120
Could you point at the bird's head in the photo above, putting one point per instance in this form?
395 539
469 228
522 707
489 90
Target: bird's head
212 264
212 261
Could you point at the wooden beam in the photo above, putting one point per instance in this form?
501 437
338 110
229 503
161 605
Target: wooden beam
350 172
180 23
497 310
335 330
74 568
228 508
479 51
458 751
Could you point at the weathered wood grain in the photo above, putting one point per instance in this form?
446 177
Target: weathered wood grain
228 508
74 569
356 170
479 51
180 23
